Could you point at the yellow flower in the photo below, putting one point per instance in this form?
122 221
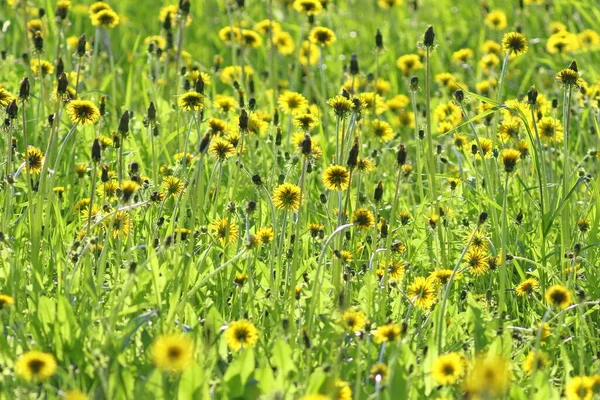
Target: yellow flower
409 63
105 19
292 103
309 53
5 301
510 157
286 197
75 395
191 101
172 185
234 72
489 378
379 372
448 368
35 366
336 177
265 234
241 334
527 287
387 4
515 43
172 12
41 67
579 388
35 158
496 20
363 219
321 36
477 260
5 97
535 360
387 333
462 56
354 320
308 7
558 296
83 112
221 149
422 292
284 43
119 224
172 353
224 230
382 130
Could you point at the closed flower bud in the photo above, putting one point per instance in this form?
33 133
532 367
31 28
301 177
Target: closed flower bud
81 46
151 112
401 155
256 179
204 143
354 69
306 145
12 109
276 118
184 7
378 40
459 95
24 89
378 192
243 121
250 85
167 22
60 67
96 151
124 123
353 155
532 95
482 218
429 38
38 42
573 66
62 84
102 108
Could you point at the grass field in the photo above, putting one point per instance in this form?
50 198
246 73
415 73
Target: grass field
300 199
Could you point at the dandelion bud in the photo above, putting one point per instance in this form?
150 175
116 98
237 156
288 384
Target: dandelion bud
62 84
459 95
169 37
401 155
241 99
429 37
24 89
379 40
102 105
3 55
353 155
12 109
51 118
41 12
276 118
311 20
278 137
124 123
482 218
104 177
61 11
38 42
252 103
60 67
354 69
243 121
204 143
96 151
378 192
200 86
573 66
184 7
250 85
81 46
306 145
151 112
555 103
414 83
256 179
532 95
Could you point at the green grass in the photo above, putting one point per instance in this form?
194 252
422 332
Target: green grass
102 305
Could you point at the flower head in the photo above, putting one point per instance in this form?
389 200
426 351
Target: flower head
286 197
336 177
83 112
448 368
514 42
172 353
241 334
191 101
558 296
35 366
321 36
224 230
387 333
422 292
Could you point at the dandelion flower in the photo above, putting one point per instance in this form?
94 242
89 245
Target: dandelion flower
341 106
477 260
241 334
105 19
321 36
41 67
35 366
387 333
224 230
534 361
83 112
35 159
354 320
558 296
191 101
172 353
286 197
448 368
422 292
119 224
579 389
527 287
172 186
489 378
284 43
515 43
510 157
336 177
496 20
379 372
5 301
409 63
221 149
292 102
382 130
363 219
308 7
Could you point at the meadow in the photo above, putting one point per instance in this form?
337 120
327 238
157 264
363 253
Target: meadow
299 199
